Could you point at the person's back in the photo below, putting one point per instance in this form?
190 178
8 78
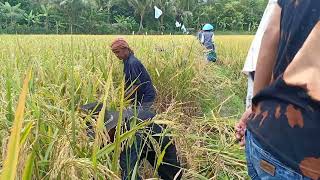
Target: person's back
286 119
206 39
135 73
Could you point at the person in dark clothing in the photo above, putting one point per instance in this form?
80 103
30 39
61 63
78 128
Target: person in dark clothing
283 126
138 81
136 76
142 147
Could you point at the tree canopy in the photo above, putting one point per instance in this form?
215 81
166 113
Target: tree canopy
126 16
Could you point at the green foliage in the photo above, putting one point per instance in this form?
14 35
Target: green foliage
11 13
126 24
120 16
141 7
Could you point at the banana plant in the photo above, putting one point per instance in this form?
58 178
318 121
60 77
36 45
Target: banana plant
12 13
45 13
32 18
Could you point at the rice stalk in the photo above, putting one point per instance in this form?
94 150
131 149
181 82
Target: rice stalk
10 163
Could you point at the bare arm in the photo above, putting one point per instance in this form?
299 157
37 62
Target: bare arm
304 70
268 52
266 61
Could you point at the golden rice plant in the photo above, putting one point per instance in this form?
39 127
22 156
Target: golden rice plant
9 168
200 101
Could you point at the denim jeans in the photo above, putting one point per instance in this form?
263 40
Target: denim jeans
262 165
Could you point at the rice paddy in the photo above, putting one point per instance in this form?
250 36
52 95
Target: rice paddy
200 102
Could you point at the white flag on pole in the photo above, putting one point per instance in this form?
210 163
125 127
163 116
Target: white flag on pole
178 24
157 12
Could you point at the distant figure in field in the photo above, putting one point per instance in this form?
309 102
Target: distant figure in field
199 33
249 67
206 37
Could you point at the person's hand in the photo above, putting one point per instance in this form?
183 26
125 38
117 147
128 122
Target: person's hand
241 126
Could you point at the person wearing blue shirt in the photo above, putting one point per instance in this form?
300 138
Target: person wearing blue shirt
138 81
139 87
206 38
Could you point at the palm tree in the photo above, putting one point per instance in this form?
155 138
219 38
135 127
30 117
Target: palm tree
186 8
166 6
106 5
73 9
141 7
188 5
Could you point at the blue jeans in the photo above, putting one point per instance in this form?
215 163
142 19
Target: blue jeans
262 165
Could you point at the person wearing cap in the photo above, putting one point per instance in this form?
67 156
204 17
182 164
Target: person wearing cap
206 38
137 78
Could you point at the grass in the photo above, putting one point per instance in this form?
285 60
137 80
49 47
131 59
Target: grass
201 101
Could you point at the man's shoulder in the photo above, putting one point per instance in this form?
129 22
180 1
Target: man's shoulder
133 61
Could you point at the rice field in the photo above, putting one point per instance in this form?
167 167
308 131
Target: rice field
54 75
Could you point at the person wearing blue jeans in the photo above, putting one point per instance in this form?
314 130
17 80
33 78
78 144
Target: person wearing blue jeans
263 165
283 125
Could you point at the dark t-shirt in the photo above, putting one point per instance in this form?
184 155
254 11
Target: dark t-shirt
136 74
286 119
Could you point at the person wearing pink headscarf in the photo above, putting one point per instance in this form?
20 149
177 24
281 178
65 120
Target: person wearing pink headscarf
140 86
138 81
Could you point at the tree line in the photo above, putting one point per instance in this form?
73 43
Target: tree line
126 16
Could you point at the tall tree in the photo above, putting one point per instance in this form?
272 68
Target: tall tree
105 6
106 16
46 14
167 7
141 7
73 9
